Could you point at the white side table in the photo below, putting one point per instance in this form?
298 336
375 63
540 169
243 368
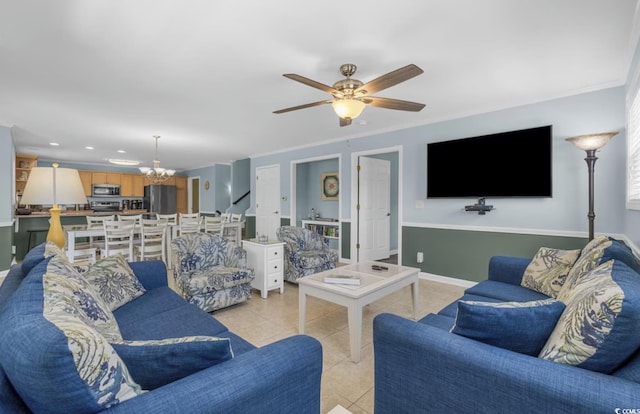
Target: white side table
267 263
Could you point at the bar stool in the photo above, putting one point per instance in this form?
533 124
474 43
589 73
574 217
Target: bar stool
33 235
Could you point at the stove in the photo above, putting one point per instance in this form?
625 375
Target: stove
105 205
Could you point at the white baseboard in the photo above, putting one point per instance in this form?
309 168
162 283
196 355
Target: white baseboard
447 280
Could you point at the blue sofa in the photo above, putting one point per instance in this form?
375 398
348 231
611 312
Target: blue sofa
37 371
455 361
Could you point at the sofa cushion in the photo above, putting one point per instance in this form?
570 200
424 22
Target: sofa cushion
155 363
217 278
114 280
596 252
38 254
47 347
451 309
598 329
521 327
505 292
548 270
439 321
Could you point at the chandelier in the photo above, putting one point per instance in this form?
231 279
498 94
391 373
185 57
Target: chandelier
156 175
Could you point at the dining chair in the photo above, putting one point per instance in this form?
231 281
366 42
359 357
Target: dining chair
153 240
225 217
189 225
171 218
131 217
213 225
118 238
97 241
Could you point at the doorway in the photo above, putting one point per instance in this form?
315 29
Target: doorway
268 201
194 195
361 191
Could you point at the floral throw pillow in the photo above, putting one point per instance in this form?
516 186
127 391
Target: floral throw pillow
114 280
548 270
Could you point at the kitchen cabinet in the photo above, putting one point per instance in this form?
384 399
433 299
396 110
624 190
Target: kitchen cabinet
86 179
105 177
24 164
126 185
138 185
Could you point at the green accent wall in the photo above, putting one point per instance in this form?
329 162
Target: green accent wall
6 241
345 228
21 238
464 254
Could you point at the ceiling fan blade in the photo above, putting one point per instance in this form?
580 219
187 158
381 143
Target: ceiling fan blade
390 79
393 104
310 82
309 105
345 121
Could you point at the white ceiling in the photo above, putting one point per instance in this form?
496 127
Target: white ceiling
207 75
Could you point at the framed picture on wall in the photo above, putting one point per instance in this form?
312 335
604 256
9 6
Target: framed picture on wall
330 186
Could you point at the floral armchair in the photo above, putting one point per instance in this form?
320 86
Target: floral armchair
209 271
305 252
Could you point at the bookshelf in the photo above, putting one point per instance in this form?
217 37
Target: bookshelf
329 229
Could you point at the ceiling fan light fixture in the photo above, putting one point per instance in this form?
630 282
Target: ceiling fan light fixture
348 108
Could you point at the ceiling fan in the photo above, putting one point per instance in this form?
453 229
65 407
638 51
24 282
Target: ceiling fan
350 96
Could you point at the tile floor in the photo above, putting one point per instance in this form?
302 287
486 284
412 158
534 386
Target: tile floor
262 321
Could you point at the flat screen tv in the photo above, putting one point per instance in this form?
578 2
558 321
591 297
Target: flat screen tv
507 164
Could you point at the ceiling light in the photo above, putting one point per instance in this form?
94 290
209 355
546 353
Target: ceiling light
89 148
122 151
123 162
55 144
348 108
156 175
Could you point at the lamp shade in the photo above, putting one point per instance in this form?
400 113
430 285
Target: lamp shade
348 108
40 188
592 142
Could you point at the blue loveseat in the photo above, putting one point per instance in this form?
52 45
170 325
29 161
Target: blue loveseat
491 351
47 351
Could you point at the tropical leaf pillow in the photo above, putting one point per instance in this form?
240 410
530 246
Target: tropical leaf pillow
598 329
548 270
114 280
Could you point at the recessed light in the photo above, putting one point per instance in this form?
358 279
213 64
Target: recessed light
123 162
55 144
122 151
89 148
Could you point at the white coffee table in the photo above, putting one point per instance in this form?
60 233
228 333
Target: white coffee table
374 285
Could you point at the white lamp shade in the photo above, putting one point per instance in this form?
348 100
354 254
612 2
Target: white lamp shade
40 187
592 141
348 108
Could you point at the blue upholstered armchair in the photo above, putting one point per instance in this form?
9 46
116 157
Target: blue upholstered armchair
209 271
305 252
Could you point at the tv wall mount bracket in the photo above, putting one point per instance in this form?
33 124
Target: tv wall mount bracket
481 207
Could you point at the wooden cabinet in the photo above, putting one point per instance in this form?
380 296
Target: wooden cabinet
182 201
132 185
24 164
105 177
86 178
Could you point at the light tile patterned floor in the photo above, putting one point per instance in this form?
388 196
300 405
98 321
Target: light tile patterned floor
262 321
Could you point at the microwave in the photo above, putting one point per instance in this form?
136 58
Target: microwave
105 190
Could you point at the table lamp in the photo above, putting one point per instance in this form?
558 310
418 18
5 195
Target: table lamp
53 185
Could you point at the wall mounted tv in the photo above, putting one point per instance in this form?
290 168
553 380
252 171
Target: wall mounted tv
507 164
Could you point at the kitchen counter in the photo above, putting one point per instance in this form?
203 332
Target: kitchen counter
73 213
38 222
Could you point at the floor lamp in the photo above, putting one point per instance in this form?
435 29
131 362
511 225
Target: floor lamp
591 143
53 185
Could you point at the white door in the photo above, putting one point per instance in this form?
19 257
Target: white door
374 214
268 201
